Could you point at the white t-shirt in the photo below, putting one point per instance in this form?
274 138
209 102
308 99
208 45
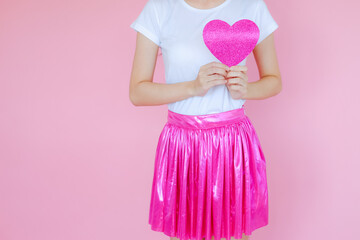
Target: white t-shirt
176 27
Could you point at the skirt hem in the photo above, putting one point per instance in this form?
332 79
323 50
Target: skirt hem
212 237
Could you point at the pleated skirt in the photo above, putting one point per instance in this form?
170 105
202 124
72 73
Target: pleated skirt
209 177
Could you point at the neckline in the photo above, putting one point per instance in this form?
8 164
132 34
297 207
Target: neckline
205 9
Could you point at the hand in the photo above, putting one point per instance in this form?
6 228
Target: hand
237 83
209 75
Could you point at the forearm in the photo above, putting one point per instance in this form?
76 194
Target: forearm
264 88
153 93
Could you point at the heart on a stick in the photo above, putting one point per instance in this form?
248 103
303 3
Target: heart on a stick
231 44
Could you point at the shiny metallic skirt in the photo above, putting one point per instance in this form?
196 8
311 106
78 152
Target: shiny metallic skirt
209 177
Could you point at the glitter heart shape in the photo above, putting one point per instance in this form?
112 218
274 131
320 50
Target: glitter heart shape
231 44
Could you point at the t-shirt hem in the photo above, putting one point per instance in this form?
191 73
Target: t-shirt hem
140 28
266 32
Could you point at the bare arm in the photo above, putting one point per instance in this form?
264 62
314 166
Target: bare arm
143 91
269 83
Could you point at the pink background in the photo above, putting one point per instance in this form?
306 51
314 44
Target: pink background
76 157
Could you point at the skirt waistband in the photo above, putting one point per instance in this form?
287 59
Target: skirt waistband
207 120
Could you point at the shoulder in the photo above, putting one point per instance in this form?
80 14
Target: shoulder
254 5
257 8
162 5
163 8
261 6
249 4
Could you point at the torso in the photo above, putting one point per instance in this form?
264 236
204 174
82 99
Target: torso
184 51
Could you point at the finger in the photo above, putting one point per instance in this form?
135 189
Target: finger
236 74
215 77
242 76
237 81
235 87
242 83
233 81
217 82
218 64
216 70
239 68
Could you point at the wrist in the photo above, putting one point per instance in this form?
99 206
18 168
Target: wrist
247 95
190 88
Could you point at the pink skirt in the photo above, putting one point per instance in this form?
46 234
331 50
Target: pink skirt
209 177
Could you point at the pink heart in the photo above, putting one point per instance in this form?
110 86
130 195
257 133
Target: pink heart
231 44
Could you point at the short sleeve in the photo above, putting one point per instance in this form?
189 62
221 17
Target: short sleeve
148 22
264 20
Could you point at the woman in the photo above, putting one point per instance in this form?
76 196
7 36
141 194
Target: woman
209 177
